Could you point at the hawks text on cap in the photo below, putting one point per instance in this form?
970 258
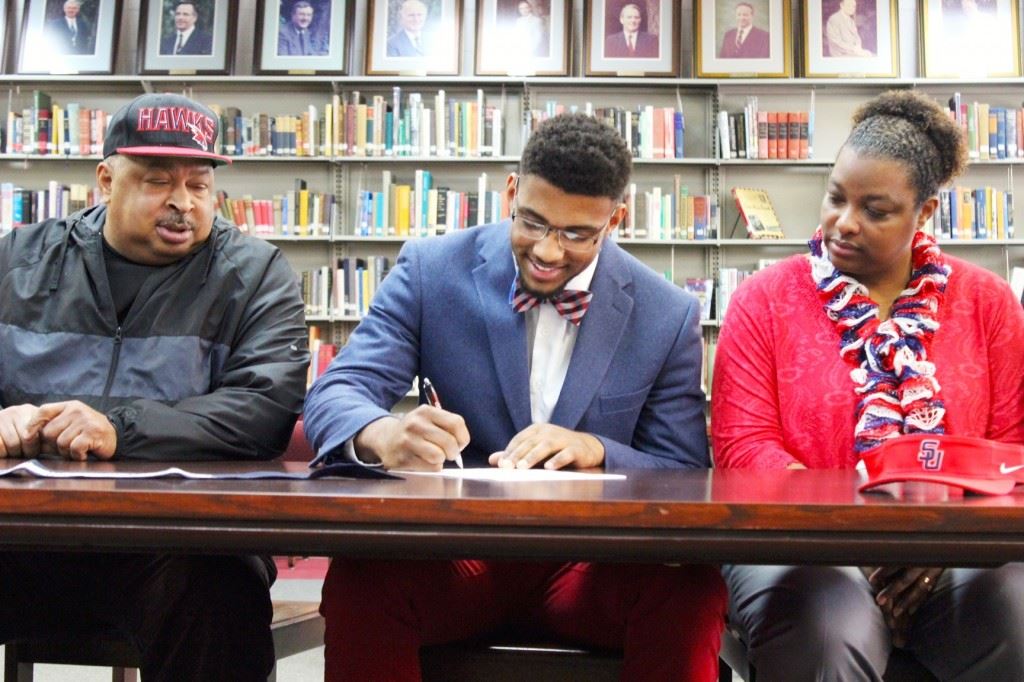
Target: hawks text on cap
178 119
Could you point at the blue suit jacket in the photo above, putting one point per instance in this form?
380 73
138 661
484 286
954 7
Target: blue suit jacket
83 43
443 312
399 45
200 42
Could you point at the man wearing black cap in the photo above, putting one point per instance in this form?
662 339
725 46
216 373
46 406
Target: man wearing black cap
145 328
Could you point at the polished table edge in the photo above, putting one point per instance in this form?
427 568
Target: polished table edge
652 516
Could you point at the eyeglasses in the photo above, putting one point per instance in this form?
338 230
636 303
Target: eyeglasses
570 240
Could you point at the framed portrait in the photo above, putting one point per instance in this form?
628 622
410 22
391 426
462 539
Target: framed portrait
302 36
851 38
68 36
186 37
631 37
4 45
523 37
416 37
970 38
743 38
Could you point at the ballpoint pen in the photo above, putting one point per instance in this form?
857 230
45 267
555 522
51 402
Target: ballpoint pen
434 401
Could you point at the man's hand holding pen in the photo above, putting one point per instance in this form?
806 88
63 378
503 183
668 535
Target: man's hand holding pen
422 439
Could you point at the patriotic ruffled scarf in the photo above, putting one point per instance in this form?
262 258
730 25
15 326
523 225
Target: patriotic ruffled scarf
893 376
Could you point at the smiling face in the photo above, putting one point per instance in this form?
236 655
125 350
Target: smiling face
412 15
544 266
158 209
302 17
868 219
185 16
71 8
629 17
744 16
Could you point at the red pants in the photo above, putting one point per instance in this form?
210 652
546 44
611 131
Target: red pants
667 619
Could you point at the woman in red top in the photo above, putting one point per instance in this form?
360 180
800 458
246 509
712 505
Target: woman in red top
873 334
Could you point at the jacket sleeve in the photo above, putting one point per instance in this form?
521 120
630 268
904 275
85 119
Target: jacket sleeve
250 413
377 365
746 425
672 428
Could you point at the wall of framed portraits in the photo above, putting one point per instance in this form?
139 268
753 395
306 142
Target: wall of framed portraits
684 38
519 60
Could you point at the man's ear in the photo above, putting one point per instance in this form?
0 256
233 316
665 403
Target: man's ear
510 187
618 218
104 179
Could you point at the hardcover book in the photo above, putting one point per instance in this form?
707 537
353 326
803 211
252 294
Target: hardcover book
756 209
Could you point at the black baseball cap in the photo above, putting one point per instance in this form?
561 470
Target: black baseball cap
162 124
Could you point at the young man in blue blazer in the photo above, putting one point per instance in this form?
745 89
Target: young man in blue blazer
548 346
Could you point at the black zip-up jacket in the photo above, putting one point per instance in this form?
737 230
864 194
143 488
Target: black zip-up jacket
209 363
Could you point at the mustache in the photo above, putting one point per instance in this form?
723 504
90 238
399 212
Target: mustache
176 221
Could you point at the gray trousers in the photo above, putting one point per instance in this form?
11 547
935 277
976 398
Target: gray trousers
821 623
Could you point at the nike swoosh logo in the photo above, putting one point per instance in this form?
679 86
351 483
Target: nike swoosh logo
1003 469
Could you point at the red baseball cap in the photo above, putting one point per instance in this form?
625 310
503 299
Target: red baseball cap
975 464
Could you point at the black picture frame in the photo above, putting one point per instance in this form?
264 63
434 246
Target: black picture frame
278 49
209 48
656 50
47 44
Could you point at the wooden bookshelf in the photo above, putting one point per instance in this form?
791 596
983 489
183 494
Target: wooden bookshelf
795 186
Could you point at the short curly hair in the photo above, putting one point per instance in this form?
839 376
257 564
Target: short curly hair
579 155
910 127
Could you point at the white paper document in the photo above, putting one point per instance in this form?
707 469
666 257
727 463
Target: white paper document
211 471
524 475
34 467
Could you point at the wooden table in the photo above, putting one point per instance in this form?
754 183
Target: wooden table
665 516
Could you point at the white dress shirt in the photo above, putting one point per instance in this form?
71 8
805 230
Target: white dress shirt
182 38
550 339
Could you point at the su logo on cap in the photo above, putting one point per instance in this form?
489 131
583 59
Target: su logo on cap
178 119
930 456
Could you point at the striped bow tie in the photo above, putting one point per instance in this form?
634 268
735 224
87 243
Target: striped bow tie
572 305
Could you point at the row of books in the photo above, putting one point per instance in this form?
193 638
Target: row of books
708 365
296 213
345 290
670 214
979 213
423 209
19 206
321 353
378 126
703 289
729 279
650 132
992 132
755 134
48 128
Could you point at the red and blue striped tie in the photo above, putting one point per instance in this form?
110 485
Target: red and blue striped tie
570 304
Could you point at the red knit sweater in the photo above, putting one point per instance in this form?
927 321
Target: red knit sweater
782 393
